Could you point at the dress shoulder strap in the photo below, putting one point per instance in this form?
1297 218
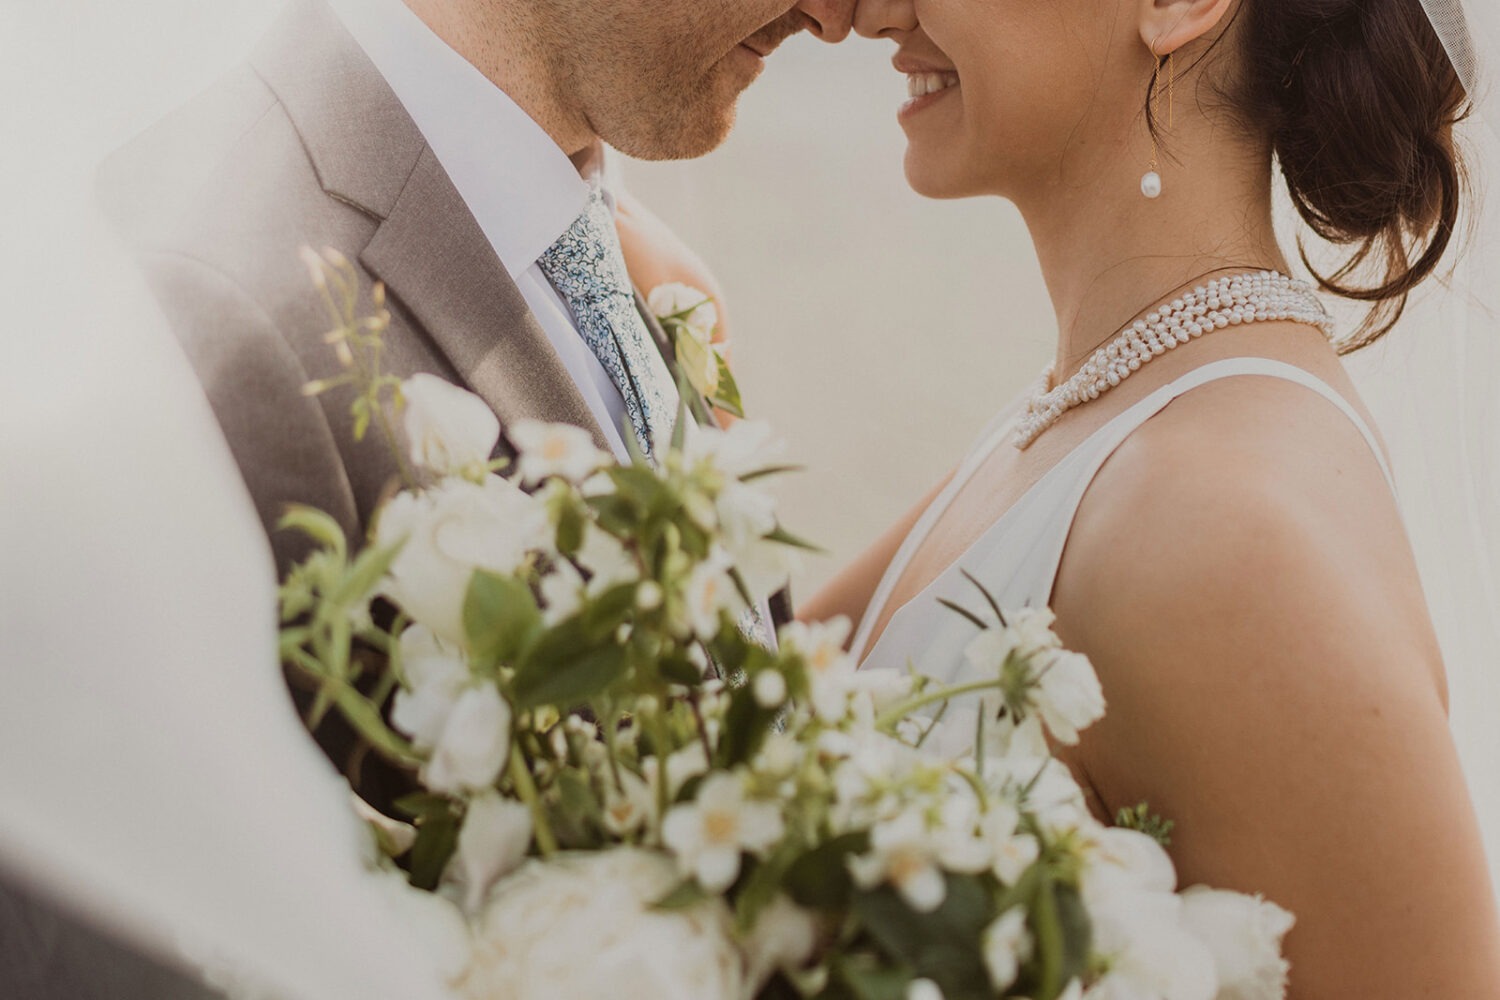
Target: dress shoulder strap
1229 367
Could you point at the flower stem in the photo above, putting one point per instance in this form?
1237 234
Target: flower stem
520 776
891 716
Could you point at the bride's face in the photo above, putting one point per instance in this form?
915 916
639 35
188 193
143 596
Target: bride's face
1011 96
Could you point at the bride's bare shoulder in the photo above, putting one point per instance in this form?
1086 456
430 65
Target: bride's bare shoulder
1253 505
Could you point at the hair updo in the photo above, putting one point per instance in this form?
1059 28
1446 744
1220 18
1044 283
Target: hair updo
1360 98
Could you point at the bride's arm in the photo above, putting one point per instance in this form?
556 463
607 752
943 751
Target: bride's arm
849 592
1275 687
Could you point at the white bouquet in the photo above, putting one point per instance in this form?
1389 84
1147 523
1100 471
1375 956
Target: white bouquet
625 795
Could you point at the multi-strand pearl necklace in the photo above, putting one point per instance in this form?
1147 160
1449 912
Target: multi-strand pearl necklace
1242 298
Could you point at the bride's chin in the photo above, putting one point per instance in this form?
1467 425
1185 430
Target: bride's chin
931 174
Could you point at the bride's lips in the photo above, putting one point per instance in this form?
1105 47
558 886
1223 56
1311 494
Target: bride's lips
928 82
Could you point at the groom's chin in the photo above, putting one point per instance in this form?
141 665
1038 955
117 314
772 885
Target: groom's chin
684 131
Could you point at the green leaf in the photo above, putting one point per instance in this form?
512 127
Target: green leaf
370 567
771 470
760 886
567 685
784 537
317 525
946 945
501 619
727 398
865 979
820 879
419 805
746 726
437 839
687 895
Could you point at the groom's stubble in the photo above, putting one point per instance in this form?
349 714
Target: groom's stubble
661 79
656 79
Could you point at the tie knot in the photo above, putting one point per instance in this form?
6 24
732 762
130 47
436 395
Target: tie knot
587 264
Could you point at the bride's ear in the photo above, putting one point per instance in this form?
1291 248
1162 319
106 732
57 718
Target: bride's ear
1168 25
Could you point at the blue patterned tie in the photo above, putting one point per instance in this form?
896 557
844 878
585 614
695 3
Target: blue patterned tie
587 267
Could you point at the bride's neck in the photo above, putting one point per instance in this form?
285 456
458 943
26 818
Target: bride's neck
1108 253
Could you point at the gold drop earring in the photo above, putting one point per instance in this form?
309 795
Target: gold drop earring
1151 182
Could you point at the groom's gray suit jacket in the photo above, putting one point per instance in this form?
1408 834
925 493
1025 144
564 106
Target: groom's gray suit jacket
306 144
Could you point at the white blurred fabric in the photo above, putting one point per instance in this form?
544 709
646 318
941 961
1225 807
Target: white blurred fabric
159 784
1434 387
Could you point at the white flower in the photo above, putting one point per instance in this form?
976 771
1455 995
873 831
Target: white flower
1007 944
474 744
555 450
700 314
562 593
745 447
1124 861
449 430
903 852
607 560
435 676
709 833
682 767
585 925
1011 851
1033 630
769 689
1244 934
830 670
492 843
766 567
448 533
1127 886
627 811
923 989
1067 694
784 937
709 591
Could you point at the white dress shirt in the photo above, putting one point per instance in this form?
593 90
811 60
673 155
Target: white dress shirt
521 187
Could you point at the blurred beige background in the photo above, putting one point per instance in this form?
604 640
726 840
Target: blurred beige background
877 330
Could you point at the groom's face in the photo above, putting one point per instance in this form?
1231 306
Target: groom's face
659 79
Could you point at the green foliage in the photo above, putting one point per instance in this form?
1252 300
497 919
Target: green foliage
946 945
1143 820
501 619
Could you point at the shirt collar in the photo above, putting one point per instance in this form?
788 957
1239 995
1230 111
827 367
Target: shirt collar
522 188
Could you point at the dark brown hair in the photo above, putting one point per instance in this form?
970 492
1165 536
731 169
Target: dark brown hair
1360 100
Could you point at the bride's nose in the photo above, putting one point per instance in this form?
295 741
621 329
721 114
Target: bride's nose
885 18
830 20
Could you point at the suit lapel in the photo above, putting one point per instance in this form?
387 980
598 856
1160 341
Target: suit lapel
429 250
435 259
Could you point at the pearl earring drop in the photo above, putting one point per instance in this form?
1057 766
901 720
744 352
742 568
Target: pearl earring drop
1151 181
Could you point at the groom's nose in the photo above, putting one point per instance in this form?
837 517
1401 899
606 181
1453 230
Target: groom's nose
830 20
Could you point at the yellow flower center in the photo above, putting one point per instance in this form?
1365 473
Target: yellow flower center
720 827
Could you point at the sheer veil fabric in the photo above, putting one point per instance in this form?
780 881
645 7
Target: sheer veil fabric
1432 384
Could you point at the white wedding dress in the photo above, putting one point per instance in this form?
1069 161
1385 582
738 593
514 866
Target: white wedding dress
1017 557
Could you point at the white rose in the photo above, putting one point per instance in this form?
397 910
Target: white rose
1244 934
673 299
555 450
474 745
448 533
1067 694
545 918
449 430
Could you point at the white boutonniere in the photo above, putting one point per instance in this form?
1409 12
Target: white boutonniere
690 318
